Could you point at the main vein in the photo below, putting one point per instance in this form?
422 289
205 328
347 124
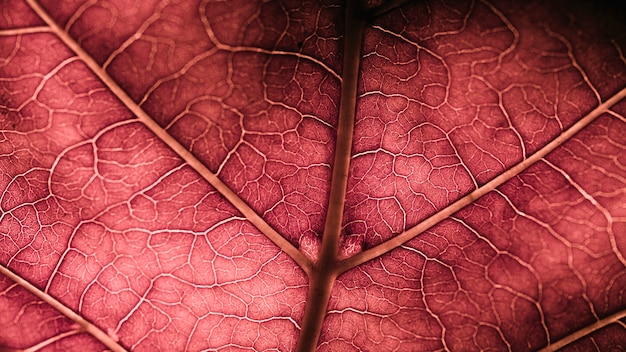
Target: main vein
324 272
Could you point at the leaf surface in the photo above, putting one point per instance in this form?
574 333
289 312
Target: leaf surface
382 175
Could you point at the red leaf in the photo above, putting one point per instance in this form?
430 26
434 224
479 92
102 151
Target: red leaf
317 175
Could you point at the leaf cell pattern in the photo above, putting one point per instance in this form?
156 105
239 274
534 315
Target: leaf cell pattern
312 175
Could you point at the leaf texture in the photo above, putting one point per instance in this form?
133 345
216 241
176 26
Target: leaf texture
312 175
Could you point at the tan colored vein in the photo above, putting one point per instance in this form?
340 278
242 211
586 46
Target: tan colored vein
84 324
486 188
178 148
586 331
